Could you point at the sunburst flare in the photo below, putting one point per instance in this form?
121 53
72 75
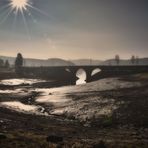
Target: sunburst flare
20 7
19 4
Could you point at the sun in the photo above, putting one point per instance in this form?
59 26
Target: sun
22 7
19 4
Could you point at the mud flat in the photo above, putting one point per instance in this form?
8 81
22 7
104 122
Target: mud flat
110 112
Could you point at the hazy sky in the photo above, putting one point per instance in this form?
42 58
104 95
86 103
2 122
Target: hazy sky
73 29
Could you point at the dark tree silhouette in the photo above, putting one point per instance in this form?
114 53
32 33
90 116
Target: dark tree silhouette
19 60
1 63
18 63
117 59
7 65
133 59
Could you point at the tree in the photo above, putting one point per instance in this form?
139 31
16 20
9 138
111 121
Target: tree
19 60
18 63
1 63
133 59
117 59
7 65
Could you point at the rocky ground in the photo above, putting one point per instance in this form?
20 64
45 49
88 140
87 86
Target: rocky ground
111 112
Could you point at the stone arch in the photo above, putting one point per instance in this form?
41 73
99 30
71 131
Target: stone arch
81 75
95 71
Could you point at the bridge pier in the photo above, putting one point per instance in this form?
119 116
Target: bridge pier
88 75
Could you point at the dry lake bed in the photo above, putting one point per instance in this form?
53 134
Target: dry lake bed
111 112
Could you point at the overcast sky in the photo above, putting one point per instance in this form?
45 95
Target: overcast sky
73 29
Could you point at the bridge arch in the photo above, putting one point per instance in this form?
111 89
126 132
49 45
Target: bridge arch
95 71
81 75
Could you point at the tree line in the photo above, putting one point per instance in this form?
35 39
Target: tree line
134 60
18 62
4 64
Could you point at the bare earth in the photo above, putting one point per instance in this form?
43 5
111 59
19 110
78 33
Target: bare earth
111 112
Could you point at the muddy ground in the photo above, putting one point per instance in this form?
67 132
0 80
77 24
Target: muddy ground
126 126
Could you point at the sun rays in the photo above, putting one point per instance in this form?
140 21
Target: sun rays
19 4
23 8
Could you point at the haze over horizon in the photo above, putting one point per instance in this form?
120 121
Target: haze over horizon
75 29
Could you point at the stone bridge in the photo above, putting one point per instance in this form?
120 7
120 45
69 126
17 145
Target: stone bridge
68 73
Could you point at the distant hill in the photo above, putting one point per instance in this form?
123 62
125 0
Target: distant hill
86 62
142 61
40 62
48 62
62 62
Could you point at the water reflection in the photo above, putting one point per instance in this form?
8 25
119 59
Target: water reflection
15 105
20 81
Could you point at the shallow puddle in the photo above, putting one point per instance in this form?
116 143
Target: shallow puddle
15 105
12 82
